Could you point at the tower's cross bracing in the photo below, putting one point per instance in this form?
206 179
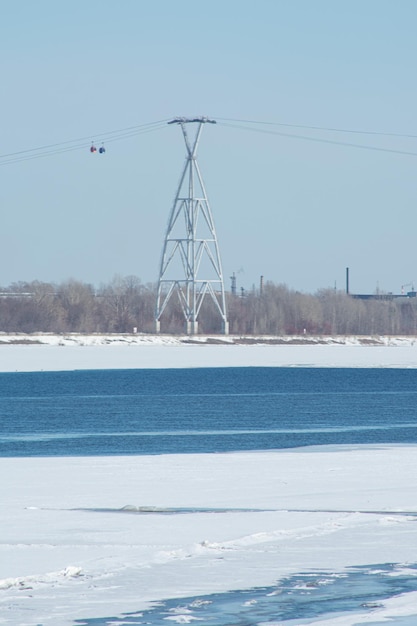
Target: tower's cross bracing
190 263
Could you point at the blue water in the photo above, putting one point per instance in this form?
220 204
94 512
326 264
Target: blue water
203 410
295 600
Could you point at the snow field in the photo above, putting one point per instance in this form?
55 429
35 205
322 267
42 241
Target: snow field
25 353
68 551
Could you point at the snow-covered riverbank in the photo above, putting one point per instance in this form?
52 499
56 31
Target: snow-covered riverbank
68 352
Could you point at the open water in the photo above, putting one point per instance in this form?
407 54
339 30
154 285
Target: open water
203 410
295 601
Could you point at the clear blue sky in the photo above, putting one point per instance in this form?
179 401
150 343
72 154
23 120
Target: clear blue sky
295 211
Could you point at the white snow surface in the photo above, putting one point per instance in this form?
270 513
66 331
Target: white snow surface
67 352
69 551
74 542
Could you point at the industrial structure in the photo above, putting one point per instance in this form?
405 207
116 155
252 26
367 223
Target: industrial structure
381 296
190 263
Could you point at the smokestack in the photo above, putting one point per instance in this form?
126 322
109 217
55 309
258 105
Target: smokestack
233 286
347 281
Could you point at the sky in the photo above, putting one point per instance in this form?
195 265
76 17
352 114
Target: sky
294 205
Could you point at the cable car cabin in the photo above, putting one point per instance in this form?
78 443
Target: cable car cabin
102 150
93 148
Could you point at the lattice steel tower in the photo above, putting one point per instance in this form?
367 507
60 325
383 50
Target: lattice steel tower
190 263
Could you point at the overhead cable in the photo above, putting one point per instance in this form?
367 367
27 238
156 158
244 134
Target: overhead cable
80 143
320 128
320 139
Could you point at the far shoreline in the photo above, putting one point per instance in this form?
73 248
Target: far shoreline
74 351
135 338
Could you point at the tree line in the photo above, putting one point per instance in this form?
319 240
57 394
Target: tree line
126 305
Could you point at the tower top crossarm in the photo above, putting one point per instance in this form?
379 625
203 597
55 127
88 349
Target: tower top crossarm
189 120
